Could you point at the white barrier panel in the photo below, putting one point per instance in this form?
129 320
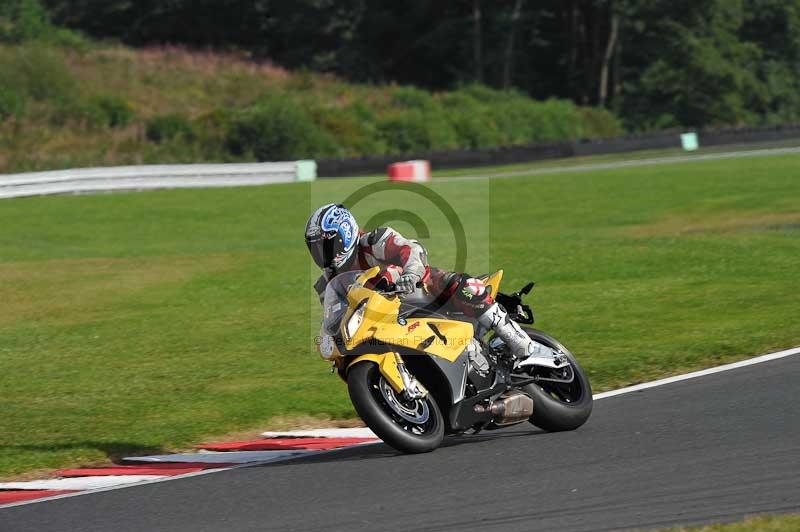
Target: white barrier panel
149 177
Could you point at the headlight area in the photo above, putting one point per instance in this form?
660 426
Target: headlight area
355 321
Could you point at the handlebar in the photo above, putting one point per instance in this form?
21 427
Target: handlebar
393 291
390 291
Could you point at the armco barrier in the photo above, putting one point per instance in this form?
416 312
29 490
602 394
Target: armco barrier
153 177
539 152
243 174
723 137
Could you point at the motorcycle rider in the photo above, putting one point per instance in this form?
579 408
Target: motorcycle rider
337 245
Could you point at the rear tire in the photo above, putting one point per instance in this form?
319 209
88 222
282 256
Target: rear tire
367 388
558 409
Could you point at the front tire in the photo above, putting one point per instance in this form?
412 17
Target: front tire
409 427
558 407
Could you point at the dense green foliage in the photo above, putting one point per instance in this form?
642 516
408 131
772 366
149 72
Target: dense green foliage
36 84
134 323
112 105
716 62
22 20
656 62
517 73
108 110
164 128
277 129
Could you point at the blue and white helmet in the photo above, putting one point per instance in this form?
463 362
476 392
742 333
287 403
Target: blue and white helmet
332 237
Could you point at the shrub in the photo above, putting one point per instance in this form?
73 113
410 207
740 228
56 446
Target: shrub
482 93
353 127
415 122
11 103
276 129
514 121
416 131
108 110
302 80
557 120
471 121
600 123
168 127
37 72
525 121
475 116
211 131
21 20
66 38
486 117
411 98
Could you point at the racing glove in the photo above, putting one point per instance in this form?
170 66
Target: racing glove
407 283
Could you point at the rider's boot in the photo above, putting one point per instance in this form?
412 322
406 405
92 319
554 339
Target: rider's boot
525 351
473 296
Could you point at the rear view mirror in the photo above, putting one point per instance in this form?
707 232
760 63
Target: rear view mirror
527 288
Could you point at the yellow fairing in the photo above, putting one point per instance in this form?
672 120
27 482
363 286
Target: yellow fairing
421 335
387 364
438 337
494 281
378 310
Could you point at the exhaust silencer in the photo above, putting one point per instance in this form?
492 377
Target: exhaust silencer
509 408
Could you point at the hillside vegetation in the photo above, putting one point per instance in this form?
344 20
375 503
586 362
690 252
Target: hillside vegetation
86 104
656 63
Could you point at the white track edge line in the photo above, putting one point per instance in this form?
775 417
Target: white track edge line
702 373
661 382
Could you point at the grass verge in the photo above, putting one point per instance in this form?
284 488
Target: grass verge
782 523
145 322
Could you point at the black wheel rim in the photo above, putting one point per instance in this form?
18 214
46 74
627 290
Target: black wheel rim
566 393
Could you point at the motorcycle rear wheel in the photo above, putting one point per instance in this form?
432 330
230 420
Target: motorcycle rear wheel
409 427
560 407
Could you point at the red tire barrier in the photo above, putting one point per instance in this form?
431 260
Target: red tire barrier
416 171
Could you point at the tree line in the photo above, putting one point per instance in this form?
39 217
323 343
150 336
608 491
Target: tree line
656 63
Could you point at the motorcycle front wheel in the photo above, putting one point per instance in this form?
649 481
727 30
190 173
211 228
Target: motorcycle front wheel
408 426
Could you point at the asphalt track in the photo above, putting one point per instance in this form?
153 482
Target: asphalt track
715 448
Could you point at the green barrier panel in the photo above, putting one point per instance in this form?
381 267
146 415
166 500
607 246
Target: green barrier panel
690 142
306 170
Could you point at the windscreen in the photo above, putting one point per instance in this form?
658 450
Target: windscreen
334 303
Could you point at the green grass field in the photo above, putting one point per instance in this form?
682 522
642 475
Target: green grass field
783 523
144 322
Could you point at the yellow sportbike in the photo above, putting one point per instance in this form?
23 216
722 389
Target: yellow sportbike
416 372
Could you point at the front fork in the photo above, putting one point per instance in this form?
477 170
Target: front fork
413 388
394 370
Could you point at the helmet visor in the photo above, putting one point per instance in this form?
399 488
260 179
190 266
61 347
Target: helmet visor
322 251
